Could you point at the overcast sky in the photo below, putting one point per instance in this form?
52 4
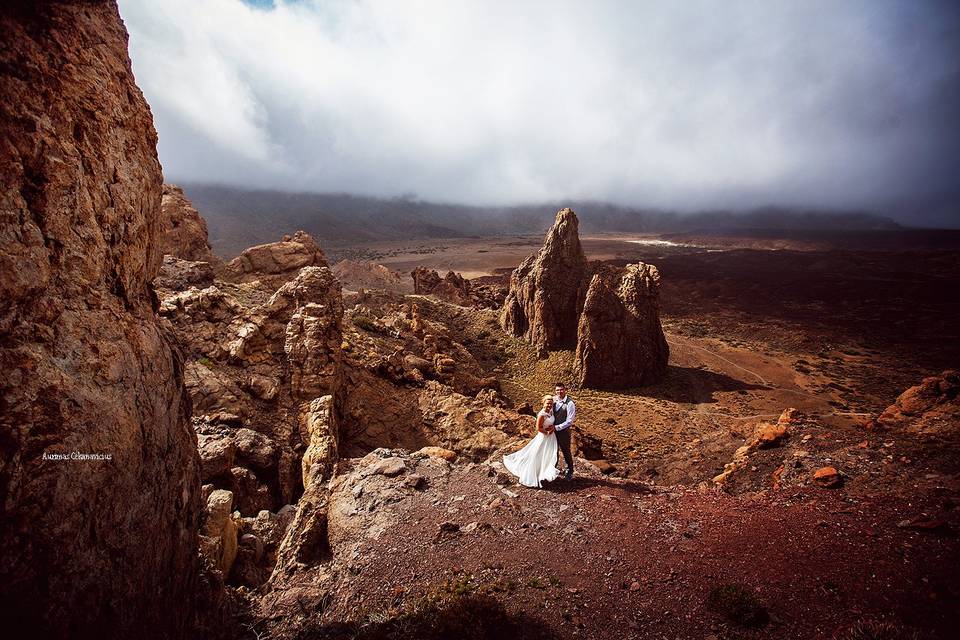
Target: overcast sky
670 104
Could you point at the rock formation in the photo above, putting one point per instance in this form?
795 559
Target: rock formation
620 341
276 262
547 290
105 545
929 409
253 372
183 233
451 288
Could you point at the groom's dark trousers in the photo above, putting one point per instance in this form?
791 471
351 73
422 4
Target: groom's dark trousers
563 441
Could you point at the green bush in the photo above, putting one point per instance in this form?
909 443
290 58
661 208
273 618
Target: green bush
366 323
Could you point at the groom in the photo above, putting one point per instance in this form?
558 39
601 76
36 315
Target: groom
564 412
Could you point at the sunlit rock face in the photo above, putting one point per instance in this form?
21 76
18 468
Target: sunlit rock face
547 290
102 546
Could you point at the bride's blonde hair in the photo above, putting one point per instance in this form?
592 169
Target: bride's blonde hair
545 398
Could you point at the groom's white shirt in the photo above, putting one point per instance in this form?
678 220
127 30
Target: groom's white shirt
571 412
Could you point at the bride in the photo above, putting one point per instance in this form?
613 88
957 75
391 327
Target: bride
537 462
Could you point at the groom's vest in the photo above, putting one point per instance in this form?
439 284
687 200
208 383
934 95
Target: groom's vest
560 410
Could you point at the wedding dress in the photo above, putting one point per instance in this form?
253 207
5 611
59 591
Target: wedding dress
536 462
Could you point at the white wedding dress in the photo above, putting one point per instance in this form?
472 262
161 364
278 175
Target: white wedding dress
536 462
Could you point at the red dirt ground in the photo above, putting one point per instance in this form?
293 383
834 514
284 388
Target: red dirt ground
605 558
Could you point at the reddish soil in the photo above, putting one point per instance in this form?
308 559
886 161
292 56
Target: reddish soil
603 558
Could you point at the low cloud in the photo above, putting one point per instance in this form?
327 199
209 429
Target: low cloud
681 105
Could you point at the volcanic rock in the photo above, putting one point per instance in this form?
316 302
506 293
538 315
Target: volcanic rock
177 274
217 453
620 340
277 261
322 435
219 534
547 290
827 477
931 408
183 233
437 452
255 450
314 337
86 366
452 287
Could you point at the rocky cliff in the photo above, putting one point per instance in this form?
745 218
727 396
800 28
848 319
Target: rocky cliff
99 484
548 288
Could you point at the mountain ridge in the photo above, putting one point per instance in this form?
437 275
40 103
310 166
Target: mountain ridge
239 218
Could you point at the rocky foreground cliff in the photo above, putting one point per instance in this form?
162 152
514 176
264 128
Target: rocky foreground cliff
100 481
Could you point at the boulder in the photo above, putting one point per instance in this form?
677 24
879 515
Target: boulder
217 452
255 450
284 258
827 477
770 435
620 341
263 387
548 289
390 467
219 532
105 546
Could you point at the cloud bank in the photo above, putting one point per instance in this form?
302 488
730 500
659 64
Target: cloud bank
670 104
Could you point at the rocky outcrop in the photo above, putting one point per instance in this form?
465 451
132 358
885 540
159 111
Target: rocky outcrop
276 262
183 233
322 434
452 287
313 340
263 364
99 484
620 342
547 290
931 408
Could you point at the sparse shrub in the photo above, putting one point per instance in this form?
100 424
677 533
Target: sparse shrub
737 604
870 629
534 582
205 361
366 323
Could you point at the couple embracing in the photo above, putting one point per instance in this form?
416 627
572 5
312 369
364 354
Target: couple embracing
537 462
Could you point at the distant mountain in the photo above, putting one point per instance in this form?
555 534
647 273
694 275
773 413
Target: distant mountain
238 218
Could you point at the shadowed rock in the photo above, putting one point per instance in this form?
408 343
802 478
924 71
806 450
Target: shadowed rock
621 342
183 233
547 290
107 546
